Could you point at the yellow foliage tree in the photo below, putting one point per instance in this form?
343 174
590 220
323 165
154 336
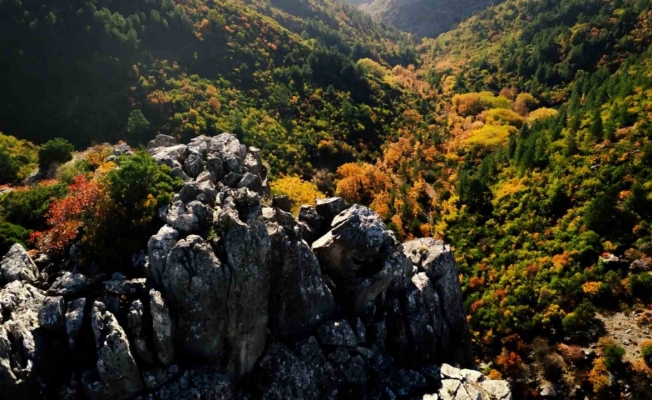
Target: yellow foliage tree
541 113
299 191
361 183
599 376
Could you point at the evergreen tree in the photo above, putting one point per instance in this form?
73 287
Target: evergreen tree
596 129
571 147
8 168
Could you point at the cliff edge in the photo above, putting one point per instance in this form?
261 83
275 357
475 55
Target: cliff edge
238 299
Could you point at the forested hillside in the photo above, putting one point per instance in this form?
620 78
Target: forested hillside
534 161
523 137
95 71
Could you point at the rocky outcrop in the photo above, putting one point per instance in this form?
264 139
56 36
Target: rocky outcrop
436 261
17 265
361 255
239 299
119 376
20 304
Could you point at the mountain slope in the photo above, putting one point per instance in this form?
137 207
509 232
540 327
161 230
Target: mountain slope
94 71
425 18
533 160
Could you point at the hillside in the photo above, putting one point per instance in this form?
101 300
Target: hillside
534 163
424 18
276 78
522 137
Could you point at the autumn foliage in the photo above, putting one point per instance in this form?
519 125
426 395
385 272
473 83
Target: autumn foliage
81 214
361 183
299 191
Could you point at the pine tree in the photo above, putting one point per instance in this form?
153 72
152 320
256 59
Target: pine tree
597 128
571 145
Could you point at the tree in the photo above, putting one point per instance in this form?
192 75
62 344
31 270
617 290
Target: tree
137 179
8 168
571 147
600 213
55 151
137 125
597 127
298 191
361 183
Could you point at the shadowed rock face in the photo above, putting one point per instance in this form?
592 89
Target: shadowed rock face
435 260
235 303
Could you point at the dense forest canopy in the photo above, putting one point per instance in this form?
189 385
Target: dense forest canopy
523 137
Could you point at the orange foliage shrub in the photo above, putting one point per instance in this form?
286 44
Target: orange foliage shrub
591 288
381 204
83 212
476 283
361 183
495 375
509 362
96 155
571 353
645 319
599 376
476 306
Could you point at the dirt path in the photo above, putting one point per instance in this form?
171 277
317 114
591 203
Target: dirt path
622 328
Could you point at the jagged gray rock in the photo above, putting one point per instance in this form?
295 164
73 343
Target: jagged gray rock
463 384
283 203
20 304
137 331
158 248
330 207
161 141
231 152
437 261
189 218
362 255
162 328
337 333
299 298
285 376
247 249
206 383
197 149
70 285
365 317
74 320
52 313
196 286
17 265
119 376
415 317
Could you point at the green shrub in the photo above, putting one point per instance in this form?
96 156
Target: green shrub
613 356
137 188
28 207
138 177
641 285
55 151
580 319
8 168
67 173
10 234
646 352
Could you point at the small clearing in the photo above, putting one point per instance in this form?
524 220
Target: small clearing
623 329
